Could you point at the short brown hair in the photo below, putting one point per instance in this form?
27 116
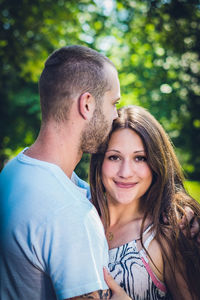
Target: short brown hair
69 72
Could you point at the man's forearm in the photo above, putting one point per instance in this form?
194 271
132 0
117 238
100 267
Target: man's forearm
101 294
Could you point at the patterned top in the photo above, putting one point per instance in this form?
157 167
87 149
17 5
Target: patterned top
131 270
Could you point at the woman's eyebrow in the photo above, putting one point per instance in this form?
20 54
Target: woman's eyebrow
139 151
114 150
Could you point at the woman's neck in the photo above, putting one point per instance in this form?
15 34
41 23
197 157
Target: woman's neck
125 224
121 214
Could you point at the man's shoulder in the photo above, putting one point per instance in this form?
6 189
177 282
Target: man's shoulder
81 184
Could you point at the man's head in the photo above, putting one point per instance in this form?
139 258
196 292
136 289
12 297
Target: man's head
105 112
68 73
72 72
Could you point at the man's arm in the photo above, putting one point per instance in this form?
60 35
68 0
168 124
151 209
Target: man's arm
101 294
117 292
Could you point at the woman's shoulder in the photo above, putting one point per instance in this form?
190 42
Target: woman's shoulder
154 253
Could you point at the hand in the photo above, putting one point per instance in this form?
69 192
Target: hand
189 218
117 292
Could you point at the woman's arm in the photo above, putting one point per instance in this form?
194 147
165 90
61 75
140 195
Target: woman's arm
177 284
175 272
173 268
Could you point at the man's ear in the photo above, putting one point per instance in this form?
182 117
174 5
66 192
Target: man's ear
86 105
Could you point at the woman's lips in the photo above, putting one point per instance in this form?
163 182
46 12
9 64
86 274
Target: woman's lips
125 185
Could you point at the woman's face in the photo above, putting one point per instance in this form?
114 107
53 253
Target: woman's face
126 175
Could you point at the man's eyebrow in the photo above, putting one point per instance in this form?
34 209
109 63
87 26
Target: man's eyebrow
116 100
113 150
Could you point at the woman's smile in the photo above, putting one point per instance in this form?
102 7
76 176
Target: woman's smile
125 185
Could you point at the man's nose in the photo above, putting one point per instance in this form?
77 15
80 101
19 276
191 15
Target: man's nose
115 114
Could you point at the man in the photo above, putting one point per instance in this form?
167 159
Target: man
52 241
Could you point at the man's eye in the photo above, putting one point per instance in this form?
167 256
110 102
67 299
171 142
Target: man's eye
113 157
141 158
116 103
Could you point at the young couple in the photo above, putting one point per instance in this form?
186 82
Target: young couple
53 244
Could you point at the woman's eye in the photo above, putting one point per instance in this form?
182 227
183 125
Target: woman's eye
113 157
141 158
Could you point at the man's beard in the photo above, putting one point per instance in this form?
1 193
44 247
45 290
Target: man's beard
96 133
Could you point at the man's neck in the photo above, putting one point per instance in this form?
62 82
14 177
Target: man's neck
58 145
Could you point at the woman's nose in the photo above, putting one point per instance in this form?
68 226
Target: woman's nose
126 169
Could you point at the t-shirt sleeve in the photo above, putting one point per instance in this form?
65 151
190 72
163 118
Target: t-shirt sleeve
72 250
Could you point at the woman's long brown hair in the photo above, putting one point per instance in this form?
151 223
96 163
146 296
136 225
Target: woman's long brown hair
166 196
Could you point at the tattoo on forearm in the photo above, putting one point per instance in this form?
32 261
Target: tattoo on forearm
105 295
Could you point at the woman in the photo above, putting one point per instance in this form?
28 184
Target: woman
134 184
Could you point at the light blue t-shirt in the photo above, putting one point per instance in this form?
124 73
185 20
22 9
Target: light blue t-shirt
52 242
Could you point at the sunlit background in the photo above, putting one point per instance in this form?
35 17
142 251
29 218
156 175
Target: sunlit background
155 46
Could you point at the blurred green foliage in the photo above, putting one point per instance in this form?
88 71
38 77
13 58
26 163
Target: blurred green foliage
154 45
193 188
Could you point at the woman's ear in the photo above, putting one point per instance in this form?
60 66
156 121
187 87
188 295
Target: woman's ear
86 105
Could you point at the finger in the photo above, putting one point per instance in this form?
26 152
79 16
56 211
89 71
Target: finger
198 239
165 219
194 227
117 292
182 222
183 225
186 219
115 288
177 213
189 213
